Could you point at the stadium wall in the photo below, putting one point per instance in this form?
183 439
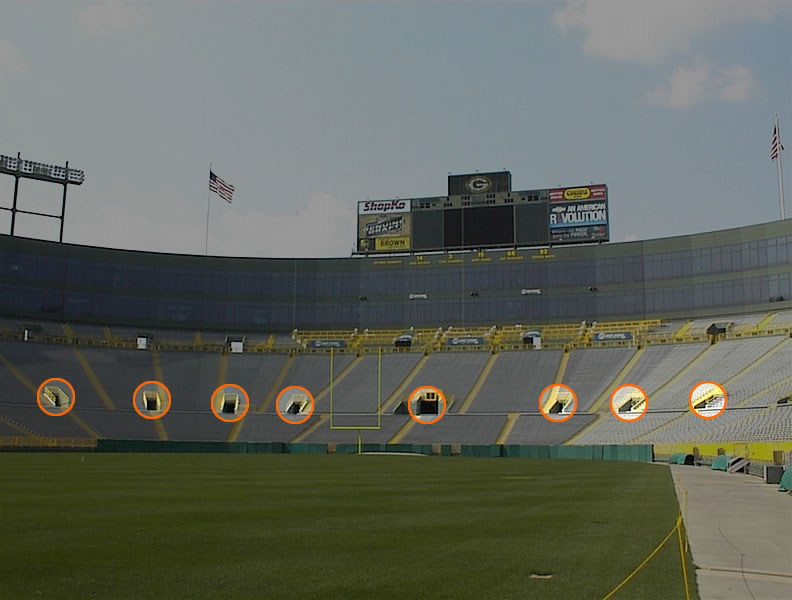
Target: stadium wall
635 453
729 271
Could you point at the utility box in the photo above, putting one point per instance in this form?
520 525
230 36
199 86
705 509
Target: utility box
773 473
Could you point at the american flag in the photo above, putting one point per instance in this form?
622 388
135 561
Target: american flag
220 187
776 147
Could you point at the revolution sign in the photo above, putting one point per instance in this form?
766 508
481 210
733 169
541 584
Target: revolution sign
579 214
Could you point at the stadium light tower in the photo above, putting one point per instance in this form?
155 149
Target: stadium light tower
26 169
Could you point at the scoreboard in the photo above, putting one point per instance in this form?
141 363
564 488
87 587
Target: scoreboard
481 211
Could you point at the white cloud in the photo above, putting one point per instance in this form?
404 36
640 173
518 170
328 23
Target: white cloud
701 82
325 227
11 61
109 16
650 30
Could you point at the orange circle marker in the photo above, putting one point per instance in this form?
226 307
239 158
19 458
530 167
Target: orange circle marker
284 390
646 403
690 399
409 404
138 388
244 393
574 397
38 397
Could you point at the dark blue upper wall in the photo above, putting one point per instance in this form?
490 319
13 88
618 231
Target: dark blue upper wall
734 270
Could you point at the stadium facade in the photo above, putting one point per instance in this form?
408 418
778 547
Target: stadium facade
722 272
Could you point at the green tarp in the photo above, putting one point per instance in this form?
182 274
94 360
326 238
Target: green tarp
680 458
721 463
786 481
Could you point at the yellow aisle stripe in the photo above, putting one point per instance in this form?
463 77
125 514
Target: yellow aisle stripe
313 427
617 381
476 387
97 385
403 431
394 397
683 330
233 434
20 428
764 322
158 425
18 374
337 379
276 385
511 421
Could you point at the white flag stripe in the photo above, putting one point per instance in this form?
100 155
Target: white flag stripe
220 187
776 147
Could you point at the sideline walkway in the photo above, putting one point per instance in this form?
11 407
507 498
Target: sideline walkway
740 532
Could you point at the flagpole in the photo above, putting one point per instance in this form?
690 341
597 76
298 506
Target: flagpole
208 204
780 170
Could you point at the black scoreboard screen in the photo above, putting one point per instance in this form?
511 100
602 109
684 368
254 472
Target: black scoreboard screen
487 220
459 228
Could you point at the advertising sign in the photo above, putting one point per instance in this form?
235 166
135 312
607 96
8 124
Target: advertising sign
612 336
466 341
596 233
370 207
384 232
579 214
586 192
327 344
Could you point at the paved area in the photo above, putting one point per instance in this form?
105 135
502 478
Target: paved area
740 532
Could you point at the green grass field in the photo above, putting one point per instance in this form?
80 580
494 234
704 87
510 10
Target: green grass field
328 526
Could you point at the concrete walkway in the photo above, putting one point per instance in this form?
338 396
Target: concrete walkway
740 532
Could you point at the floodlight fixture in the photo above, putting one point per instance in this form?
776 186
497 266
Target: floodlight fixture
19 168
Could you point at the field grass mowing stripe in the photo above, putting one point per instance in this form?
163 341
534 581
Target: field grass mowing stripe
318 526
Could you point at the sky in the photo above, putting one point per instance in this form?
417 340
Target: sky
309 107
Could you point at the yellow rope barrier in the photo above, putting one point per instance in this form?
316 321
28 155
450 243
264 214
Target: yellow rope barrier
682 556
678 529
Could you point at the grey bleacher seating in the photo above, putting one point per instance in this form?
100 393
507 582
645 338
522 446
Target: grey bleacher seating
535 429
312 371
389 425
457 429
119 424
754 370
453 373
609 430
30 417
268 427
772 424
765 375
589 372
8 431
191 377
723 361
255 373
516 380
658 364
355 397
195 425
